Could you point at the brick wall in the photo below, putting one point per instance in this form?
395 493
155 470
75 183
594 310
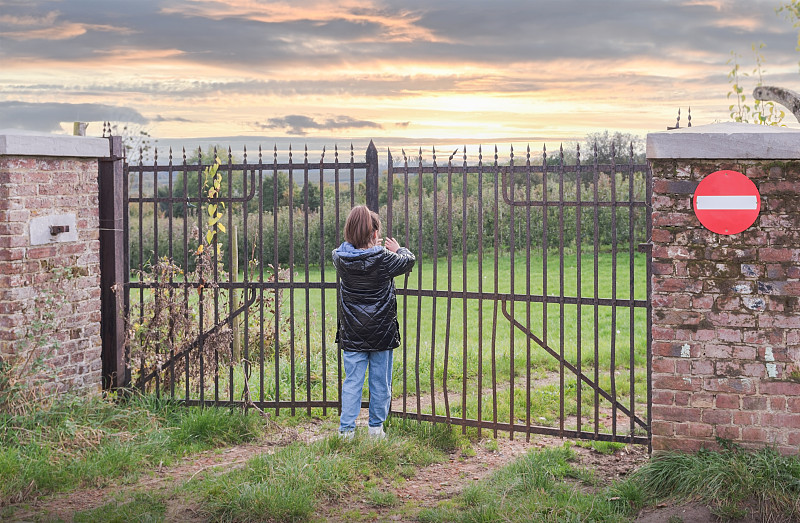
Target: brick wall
726 309
65 274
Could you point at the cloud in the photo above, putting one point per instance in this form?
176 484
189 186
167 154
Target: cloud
56 32
160 118
297 124
438 64
30 20
47 27
47 117
395 22
327 33
395 85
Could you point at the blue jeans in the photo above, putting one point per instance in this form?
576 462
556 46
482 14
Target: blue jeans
380 387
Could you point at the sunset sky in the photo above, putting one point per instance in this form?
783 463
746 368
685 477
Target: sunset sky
416 69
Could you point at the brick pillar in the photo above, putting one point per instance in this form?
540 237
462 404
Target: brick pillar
726 308
49 255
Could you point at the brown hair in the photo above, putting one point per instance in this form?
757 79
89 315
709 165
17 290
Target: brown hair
360 227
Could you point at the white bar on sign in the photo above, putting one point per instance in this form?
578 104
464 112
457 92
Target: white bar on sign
729 203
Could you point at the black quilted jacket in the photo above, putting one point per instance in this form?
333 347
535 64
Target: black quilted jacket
366 304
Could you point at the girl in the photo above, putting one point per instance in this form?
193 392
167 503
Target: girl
367 329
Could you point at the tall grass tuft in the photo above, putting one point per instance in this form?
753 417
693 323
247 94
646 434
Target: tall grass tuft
728 480
212 427
437 435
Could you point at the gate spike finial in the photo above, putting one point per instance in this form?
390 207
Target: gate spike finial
689 117
322 158
244 153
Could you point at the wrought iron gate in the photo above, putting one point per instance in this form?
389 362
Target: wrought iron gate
528 310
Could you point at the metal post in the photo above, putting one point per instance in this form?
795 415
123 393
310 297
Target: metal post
372 177
112 266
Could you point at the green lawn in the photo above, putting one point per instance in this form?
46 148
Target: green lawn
439 332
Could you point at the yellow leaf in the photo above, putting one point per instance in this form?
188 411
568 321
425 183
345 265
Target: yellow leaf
209 236
213 221
212 209
221 227
199 249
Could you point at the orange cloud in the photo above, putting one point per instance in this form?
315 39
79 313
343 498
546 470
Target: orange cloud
58 32
399 25
47 27
716 4
135 55
739 22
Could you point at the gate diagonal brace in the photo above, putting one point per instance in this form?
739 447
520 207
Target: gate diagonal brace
572 367
141 382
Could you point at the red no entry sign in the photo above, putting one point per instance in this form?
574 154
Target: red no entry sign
726 202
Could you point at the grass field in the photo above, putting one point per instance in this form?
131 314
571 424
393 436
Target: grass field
452 345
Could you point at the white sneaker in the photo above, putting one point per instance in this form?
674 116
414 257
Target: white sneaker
348 434
377 432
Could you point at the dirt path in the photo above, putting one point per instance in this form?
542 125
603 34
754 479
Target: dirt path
442 481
